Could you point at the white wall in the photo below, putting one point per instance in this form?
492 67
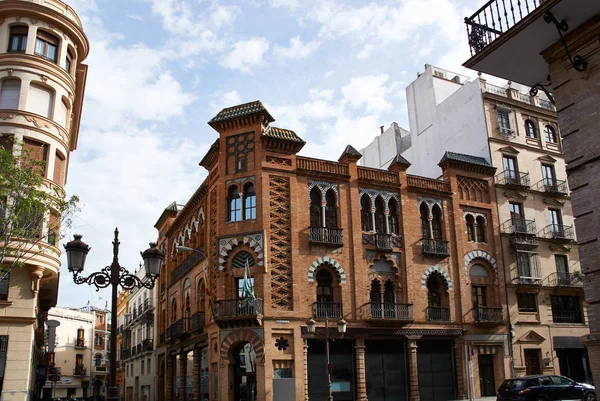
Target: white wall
385 147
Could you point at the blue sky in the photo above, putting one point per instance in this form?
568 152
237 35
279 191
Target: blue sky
331 70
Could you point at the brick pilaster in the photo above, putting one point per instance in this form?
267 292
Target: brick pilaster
182 375
170 371
413 369
459 360
196 376
305 354
361 377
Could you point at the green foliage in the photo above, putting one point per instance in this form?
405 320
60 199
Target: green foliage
33 211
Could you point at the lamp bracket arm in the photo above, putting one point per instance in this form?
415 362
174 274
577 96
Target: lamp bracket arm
577 62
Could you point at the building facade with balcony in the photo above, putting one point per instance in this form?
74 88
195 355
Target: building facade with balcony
73 343
100 367
42 81
518 134
555 43
278 239
122 310
138 344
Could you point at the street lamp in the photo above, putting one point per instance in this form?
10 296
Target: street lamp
113 275
311 326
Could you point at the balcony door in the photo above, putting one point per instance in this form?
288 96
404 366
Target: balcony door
556 224
325 306
518 217
548 175
510 168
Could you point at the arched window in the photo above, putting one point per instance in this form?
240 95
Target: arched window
436 222
480 229
173 310
530 130
365 213
234 207
249 202
40 100
325 306
380 216
550 134
434 291
240 259
330 210
187 313
375 294
478 270
18 38
393 217
470 228
389 295
97 360
315 207
9 95
424 211
46 45
69 60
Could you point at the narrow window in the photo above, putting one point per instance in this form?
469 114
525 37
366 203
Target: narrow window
434 296
36 155
46 45
365 213
510 169
18 39
59 169
40 100
436 222
68 61
330 210
78 364
424 211
249 202
393 217
379 216
562 266
4 285
315 207
550 134
470 228
98 360
173 310
479 296
80 342
235 204
530 130
526 302
504 122
9 95
325 307
549 176
243 291
480 229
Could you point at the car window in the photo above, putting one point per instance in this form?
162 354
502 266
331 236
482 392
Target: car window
532 383
512 383
561 381
546 381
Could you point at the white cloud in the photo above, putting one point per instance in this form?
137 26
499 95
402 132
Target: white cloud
220 100
297 50
316 93
246 55
224 15
369 91
365 52
134 16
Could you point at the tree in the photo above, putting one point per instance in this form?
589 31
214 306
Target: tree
33 211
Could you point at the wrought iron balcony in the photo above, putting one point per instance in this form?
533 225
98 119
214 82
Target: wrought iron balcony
100 368
125 354
326 236
175 330
198 321
565 279
238 312
190 261
383 242
519 226
327 310
438 314
435 247
379 311
80 343
513 179
79 370
573 316
147 345
552 187
484 314
495 18
558 232
528 269
134 351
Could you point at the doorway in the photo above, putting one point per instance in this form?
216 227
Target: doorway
244 373
532 361
486 375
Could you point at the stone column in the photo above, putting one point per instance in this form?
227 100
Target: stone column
305 352
459 360
170 370
182 375
387 222
196 376
323 214
361 376
413 369
373 220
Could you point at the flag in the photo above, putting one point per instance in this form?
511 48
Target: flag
248 288
208 296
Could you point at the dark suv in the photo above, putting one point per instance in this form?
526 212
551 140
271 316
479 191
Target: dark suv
545 388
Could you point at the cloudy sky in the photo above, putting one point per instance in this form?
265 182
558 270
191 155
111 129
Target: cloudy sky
331 70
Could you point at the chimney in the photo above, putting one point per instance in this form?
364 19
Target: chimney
381 128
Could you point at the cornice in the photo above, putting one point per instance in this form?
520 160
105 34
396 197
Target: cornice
521 105
526 147
7 60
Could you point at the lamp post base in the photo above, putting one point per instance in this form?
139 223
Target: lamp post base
113 394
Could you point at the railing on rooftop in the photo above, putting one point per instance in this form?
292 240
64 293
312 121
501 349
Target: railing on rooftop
190 261
428 183
373 174
494 18
322 166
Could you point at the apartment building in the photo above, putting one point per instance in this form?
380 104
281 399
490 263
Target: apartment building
122 309
42 81
518 134
100 367
380 254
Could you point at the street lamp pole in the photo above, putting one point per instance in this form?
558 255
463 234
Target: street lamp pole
113 275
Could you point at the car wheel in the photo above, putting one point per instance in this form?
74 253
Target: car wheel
590 397
542 399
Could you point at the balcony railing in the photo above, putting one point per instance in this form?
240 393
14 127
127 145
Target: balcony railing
484 314
79 343
552 186
327 236
428 183
79 370
238 307
438 314
134 351
101 368
175 330
515 179
147 345
126 354
519 226
574 316
565 279
528 270
327 310
198 321
190 261
383 242
558 232
387 311
495 18
435 247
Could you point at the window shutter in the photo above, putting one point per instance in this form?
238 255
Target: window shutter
59 168
39 100
36 151
9 96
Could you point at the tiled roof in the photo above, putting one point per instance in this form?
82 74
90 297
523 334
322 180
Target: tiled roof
398 159
173 207
460 157
351 151
285 134
241 110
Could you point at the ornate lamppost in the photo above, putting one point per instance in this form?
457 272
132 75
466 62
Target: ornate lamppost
113 275
311 326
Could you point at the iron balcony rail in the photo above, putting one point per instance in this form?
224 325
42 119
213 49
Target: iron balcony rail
387 311
126 354
175 330
147 345
559 232
133 351
567 316
565 279
436 247
101 368
139 348
327 310
528 270
383 242
438 314
519 226
198 321
190 261
512 178
495 18
79 343
79 370
552 186
326 235
237 308
484 314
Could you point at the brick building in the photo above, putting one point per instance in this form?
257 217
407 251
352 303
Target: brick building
386 251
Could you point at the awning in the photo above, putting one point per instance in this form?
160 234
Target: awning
567 342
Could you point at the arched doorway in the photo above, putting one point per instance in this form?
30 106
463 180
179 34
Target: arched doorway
244 372
96 391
